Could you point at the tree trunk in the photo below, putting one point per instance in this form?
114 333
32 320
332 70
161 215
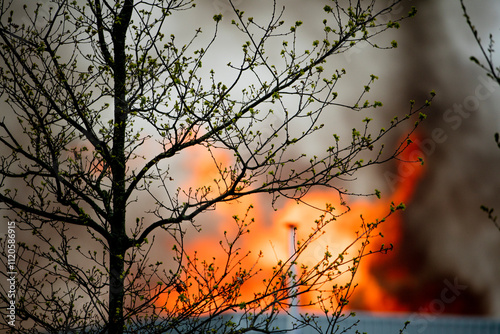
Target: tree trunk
116 291
120 241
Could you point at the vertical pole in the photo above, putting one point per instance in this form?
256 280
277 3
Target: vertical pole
294 311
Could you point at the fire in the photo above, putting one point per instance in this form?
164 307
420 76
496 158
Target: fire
270 234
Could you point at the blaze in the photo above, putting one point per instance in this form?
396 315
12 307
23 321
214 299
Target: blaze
269 239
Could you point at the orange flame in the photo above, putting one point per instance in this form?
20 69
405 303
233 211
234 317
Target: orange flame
270 234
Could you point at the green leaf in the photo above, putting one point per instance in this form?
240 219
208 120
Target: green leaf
412 12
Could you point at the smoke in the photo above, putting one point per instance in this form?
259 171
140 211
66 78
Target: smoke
445 235
446 241
447 259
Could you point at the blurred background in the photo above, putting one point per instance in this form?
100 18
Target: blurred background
446 257
445 236
447 251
